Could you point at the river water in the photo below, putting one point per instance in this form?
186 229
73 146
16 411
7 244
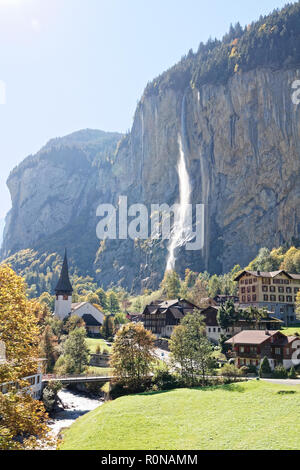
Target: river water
76 405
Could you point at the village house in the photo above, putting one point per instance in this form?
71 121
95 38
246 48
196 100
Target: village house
275 291
64 308
214 331
161 316
251 346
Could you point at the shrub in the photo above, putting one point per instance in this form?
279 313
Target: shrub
280 372
244 371
265 368
231 371
292 373
163 379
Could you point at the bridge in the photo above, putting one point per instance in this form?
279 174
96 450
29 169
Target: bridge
76 379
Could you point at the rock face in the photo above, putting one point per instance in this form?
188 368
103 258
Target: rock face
242 144
55 193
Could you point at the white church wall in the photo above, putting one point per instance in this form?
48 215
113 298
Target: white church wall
63 307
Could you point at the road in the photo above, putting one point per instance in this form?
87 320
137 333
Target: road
290 382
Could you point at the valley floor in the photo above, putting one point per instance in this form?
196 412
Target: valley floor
252 415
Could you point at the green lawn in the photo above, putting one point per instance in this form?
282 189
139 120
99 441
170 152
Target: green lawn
104 371
94 342
291 331
242 416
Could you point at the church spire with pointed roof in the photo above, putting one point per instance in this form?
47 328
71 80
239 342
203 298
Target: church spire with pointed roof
64 285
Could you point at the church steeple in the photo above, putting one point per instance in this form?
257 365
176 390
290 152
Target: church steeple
64 286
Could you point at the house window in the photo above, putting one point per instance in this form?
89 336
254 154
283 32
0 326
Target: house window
266 298
254 298
281 298
248 298
243 290
66 297
281 290
272 289
289 298
277 351
242 349
296 290
243 298
273 298
265 289
288 290
253 289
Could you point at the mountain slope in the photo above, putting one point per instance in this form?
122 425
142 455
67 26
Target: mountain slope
231 104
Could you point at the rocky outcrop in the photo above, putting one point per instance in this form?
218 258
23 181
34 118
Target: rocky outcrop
243 154
242 142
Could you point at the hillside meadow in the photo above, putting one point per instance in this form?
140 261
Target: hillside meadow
251 415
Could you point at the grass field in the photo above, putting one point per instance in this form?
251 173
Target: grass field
291 331
100 371
250 415
94 342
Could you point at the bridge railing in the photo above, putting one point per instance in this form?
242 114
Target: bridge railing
49 377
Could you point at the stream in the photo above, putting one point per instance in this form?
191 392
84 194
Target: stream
76 405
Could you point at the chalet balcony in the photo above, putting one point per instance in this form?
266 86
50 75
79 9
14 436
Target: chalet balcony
248 355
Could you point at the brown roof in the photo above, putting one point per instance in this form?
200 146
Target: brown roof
252 337
270 274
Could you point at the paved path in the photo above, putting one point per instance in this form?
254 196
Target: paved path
283 381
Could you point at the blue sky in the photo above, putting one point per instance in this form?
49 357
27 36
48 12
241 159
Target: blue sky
74 64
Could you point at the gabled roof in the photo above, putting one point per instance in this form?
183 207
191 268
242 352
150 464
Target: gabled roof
271 274
76 306
64 285
252 337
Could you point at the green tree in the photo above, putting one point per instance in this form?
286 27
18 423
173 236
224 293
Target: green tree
133 355
47 347
108 326
231 371
47 299
190 349
76 352
102 298
120 319
73 322
265 368
113 305
292 373
171 285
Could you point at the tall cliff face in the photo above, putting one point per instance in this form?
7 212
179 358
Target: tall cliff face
243 154
231 104
55 195
242 145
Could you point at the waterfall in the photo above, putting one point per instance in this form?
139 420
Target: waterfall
180 234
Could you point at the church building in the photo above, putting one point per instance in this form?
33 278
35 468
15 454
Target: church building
64 308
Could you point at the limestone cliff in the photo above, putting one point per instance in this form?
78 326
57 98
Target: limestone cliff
243 142
232 105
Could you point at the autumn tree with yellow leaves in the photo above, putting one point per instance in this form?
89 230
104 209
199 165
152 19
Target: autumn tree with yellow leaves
23 420
133 355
